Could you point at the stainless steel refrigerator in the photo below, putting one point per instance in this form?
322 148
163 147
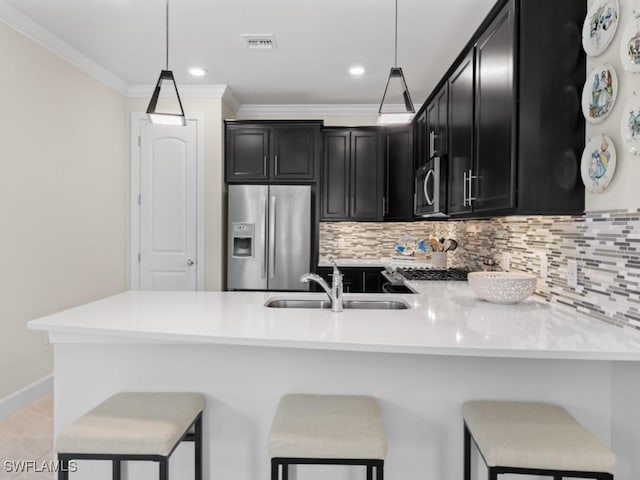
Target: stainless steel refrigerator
269 237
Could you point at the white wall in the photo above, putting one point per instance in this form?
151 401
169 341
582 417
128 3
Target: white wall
63 199
622 192
215 207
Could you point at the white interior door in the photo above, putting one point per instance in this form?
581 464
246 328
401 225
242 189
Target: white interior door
168 207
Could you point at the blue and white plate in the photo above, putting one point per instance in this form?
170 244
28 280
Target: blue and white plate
630 45
405 245
599 93
600 26
598 163
630 125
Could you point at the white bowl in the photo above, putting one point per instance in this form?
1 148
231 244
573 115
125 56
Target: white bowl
502 287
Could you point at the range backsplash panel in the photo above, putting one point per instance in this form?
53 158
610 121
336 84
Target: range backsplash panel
606 246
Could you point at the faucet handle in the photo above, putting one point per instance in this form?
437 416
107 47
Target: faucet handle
333 262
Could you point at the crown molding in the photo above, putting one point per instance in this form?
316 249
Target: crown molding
186 91
311 109
46 39
231 100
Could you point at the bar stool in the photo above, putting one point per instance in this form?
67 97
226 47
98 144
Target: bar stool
533 439
135 426
327 429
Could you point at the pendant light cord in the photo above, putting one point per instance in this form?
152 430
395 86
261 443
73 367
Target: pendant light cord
395 63
167 32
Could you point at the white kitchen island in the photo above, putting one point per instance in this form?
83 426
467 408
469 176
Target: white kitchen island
421 363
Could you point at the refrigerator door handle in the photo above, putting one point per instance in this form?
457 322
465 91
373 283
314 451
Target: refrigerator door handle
263 204
272 237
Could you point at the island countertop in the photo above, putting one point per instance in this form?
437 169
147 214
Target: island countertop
444 319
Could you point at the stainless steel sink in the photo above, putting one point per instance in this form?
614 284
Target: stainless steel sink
347 304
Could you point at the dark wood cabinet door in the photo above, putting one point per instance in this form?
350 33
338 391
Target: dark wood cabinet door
494 184
372 280
398 174
247 154
294 151
420 140
366 182
432 128
335 174
441 143
461 130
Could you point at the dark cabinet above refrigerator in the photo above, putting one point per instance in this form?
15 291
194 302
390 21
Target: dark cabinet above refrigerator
272 151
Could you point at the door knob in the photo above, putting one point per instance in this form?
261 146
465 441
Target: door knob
190 262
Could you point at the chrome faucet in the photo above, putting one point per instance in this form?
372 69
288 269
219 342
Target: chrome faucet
335 291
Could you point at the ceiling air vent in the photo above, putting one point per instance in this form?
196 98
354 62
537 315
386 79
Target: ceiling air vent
259 41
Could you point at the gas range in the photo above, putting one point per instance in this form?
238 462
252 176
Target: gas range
412 273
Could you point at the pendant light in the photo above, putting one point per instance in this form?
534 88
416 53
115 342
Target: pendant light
388 113
171 111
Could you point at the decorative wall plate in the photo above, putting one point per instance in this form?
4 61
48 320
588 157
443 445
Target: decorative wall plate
630 45
600 26
598 163
599 93
406 245
630 125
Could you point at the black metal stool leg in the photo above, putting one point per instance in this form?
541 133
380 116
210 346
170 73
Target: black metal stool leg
274 469
164 469
557 477
467 453
197 447
369 472
493 474
380 471
63 469
116 469
285 471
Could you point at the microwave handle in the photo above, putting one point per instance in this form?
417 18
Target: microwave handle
428 198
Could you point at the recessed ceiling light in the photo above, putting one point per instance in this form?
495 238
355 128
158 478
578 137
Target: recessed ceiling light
357 70
197 71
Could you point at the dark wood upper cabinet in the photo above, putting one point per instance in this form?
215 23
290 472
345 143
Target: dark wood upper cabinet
420 138
294 150
335 176
493 181
247 153
366 178
437 123
461 131
398 173
515 129
351 175
272 151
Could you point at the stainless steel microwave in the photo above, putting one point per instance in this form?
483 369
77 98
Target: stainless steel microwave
430 190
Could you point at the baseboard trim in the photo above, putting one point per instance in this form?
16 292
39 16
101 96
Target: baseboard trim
16 401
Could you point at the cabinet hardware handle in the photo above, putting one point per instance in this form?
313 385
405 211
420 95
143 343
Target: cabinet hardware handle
432 143
464 190
384 206
264 165
471 178
276 164
415 204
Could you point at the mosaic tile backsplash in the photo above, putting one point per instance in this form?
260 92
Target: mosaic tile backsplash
606 246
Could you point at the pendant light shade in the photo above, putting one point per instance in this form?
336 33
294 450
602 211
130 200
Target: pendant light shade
165 106
396 105
170 111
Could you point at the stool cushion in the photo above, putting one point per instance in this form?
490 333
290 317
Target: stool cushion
534 435
327 426
148 423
